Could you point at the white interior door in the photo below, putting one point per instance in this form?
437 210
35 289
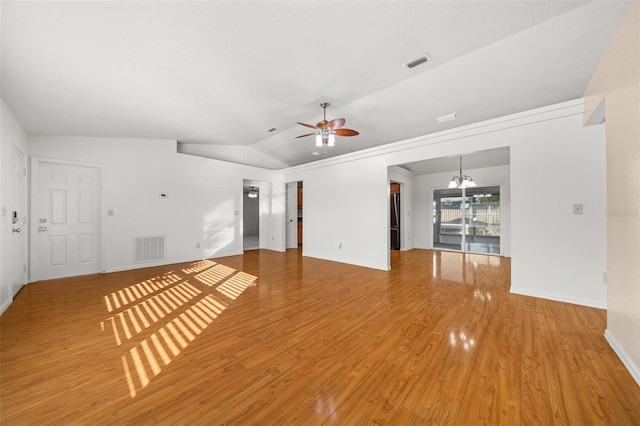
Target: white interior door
68 220
291 216
18 219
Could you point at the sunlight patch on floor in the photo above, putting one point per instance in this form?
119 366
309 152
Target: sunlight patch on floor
156 319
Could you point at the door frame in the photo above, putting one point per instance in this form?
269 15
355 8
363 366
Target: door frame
24 208
264 195
294 202
401 232
33 229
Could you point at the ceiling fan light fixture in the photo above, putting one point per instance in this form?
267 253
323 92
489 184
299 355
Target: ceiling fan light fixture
253 193
325 131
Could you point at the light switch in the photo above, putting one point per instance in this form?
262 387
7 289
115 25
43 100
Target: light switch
111 212
577 209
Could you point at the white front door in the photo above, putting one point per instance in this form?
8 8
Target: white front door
18 220
291 216
68 220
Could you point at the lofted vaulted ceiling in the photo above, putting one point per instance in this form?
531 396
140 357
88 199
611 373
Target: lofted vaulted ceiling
216 75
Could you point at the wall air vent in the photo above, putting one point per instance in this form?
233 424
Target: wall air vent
149 249
418 61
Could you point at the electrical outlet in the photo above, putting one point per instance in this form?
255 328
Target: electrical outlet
577 209
197 245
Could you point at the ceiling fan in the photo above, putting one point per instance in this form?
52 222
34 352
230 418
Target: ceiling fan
326 130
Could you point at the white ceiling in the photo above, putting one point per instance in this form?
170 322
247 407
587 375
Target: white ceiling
472 160
216 75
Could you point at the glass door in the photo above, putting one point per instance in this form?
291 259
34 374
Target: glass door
447 219
482 218
467 219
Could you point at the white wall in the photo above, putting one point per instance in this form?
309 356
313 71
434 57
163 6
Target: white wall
346 210
555 162
11 134
616 85
556 254
204 203
423 202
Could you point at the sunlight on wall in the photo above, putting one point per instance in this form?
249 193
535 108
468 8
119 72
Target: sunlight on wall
156 319
219 240
218 232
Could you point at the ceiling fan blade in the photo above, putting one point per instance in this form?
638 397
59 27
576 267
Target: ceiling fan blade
311 126
336 123
346 132
302 136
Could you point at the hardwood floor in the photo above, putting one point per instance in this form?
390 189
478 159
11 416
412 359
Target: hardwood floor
437 340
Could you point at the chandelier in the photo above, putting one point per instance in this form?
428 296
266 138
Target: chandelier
462 181
252 193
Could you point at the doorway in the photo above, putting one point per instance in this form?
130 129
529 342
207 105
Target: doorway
256 207
250 217
394 216
467 219
293 215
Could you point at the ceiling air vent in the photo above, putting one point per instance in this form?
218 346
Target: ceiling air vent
418 61
448 117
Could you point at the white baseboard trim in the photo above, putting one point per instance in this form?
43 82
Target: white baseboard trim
5 305
624 357
556 298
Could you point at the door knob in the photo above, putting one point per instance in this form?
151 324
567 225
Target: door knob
16 230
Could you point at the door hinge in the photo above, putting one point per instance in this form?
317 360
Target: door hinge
24 172
24 268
